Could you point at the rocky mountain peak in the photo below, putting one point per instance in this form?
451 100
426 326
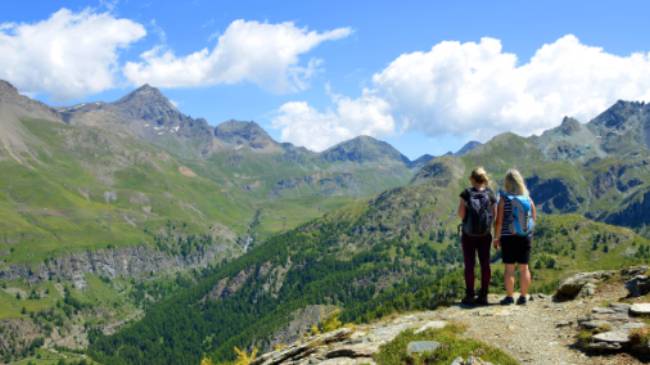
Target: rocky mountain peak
363 149
145 94
569 126
421 161
246 133
469 146
616 116
149 104
7 89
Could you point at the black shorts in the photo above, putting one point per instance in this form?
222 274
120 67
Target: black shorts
515 249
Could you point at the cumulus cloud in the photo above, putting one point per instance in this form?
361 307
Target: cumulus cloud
248 51
306 126
477 90
67 55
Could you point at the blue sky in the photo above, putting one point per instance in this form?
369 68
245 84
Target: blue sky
356 87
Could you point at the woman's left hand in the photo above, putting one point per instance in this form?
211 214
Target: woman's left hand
496 242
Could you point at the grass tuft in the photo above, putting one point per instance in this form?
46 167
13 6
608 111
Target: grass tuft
453 346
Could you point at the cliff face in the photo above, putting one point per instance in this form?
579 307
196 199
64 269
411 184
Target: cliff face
127 262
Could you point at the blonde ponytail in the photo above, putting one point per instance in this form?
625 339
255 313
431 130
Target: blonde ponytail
514 183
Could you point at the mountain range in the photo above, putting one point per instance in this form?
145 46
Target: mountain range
109 209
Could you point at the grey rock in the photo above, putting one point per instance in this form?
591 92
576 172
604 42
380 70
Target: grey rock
620 307
601 310
301 322
353 351
128 262
303 350
618 336
420 347
633 325
594 324
634 271
571 287
588 290
640 309
604 346
638 286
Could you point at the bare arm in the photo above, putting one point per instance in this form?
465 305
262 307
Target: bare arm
462 210
498 223
534 210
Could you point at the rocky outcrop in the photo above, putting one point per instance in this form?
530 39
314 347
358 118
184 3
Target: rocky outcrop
552 195
634 212
355 345
301 324
613 329
18 337
130 262
229 286
581 285
638 285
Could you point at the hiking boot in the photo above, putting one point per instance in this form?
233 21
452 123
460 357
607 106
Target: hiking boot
522 300
468 300
507 301
482 300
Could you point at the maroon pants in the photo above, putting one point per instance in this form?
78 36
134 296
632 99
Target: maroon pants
472 246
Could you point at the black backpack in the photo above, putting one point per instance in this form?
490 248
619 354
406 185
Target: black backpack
478 216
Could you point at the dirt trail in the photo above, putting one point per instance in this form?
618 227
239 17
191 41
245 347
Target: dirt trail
540 333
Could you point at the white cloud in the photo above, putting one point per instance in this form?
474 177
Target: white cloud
67 55
305 126
477 90
248 51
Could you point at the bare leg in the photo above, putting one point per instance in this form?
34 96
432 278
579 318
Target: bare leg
509 277
524 278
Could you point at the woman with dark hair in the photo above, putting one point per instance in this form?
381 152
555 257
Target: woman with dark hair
477 209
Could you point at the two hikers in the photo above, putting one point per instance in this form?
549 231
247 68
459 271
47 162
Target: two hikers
513 218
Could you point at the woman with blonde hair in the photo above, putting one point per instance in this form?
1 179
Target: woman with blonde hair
476 209
516 216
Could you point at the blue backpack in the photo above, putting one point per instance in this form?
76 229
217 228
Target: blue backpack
522 222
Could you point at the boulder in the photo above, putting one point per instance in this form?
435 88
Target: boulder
618 336
634 271
421 347
576 285
637 286
640 309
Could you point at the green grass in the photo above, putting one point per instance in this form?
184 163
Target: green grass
452 346
55 204
11 307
